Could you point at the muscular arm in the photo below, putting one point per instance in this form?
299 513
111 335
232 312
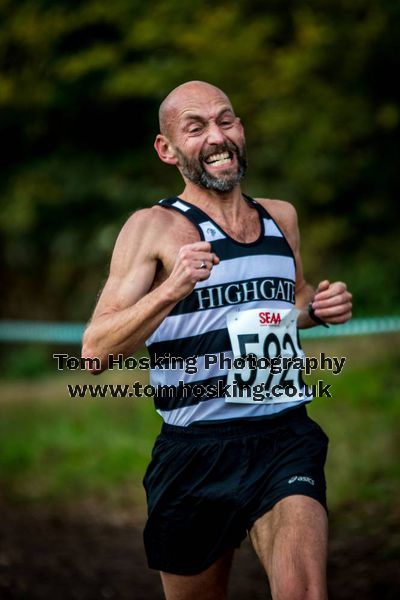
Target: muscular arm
285 215
331 301
127 312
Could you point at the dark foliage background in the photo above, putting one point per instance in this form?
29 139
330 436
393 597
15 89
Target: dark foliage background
80 85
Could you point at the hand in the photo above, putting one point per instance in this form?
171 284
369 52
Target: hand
193 263
332 302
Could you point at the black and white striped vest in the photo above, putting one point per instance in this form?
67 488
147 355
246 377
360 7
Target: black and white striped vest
260 274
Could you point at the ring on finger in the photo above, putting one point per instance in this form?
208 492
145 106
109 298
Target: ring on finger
203 265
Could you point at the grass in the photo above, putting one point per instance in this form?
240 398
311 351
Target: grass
361 420
69 450
53 448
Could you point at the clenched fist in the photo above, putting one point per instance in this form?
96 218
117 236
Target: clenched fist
193 263
332 302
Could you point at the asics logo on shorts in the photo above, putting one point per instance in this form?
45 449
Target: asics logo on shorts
301 478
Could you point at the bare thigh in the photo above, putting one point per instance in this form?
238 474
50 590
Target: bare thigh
210 584
291 543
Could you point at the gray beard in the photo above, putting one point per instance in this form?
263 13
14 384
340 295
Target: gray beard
194 171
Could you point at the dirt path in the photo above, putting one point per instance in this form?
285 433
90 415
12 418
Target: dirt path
60 556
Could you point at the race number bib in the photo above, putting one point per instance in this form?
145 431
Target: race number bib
267 356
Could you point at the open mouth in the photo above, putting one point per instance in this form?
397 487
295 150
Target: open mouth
220 159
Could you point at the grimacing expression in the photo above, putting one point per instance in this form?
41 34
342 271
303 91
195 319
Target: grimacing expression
201 135
224 180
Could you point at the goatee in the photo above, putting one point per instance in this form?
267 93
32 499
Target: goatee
195 172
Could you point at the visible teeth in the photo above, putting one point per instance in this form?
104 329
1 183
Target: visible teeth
223 156
223 161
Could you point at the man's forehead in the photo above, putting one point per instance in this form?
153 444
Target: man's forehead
199 103
193 99
208 110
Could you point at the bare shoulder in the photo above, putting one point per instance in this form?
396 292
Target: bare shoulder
280 210
285 215
143 231
146 222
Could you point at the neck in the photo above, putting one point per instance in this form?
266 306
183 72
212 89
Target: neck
226 205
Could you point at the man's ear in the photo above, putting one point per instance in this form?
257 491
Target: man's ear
165 150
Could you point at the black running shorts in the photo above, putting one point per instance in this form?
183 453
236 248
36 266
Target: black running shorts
207 484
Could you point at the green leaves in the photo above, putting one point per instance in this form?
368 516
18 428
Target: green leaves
80 85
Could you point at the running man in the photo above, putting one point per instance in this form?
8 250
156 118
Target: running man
214 272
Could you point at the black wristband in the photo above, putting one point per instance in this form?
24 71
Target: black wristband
314 316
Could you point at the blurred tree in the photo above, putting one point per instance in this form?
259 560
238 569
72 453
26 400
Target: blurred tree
80 85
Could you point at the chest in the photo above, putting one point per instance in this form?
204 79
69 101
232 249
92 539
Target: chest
184 232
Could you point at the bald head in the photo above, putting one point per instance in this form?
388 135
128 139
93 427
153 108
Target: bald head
202 137
182 96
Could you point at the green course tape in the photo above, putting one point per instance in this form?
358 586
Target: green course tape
71 333
39 331
355 327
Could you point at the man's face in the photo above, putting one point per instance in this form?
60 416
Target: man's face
209 142
222 178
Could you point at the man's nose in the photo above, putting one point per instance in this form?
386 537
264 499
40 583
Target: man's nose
214 134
